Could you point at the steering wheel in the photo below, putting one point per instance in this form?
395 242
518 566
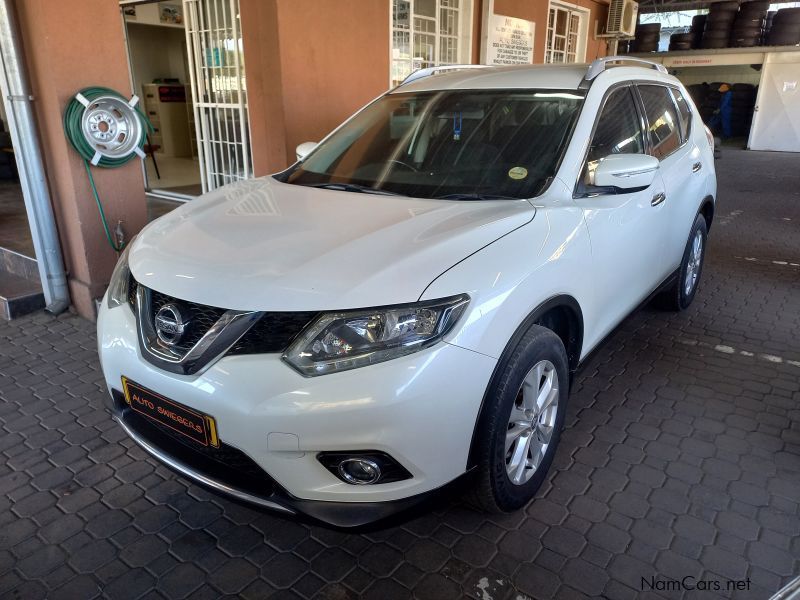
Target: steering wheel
403 164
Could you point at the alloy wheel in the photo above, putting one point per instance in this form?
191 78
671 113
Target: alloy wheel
532 422
695 260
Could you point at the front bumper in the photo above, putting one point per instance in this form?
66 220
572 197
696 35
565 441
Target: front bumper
420 409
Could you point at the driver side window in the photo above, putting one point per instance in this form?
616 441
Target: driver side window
618 131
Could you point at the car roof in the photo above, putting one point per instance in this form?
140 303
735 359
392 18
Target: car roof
547 77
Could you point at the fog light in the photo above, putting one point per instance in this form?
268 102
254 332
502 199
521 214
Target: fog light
363 467
359 471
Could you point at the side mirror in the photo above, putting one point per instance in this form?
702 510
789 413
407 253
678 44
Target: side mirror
304 149
626 171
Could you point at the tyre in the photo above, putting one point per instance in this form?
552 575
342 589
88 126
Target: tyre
720 29
787 15
681 37
714 43
755 6
779 39
681 293
746 23
647 38
648 28
521 422
786 29
730 6
721 17
743 42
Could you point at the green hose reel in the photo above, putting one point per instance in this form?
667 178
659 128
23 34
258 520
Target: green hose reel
107 131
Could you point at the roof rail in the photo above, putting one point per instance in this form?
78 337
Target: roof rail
427 72
601 64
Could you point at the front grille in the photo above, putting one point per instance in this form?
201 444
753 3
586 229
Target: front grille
225 464
272 333
201 318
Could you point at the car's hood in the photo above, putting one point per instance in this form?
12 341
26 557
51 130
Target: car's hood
266 245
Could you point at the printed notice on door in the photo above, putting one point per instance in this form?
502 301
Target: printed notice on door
510 41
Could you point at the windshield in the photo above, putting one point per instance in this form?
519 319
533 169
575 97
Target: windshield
453 144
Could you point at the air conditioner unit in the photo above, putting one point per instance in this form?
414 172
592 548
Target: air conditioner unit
622 18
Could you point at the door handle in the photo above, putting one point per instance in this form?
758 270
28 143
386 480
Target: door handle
658 199
696 167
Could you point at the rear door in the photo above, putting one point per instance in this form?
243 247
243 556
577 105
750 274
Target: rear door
626 228
669 126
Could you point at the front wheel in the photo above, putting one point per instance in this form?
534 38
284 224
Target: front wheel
521 422
681 293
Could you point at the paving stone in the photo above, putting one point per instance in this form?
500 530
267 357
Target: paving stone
677 458
92 556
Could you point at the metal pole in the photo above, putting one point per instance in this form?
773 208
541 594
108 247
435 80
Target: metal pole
27 152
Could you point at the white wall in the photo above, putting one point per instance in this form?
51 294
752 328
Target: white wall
157 52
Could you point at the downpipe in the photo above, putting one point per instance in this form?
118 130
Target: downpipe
27 152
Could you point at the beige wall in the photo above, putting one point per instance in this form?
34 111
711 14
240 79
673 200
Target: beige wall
70 45
310 64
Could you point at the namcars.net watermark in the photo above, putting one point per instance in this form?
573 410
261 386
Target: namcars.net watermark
691 583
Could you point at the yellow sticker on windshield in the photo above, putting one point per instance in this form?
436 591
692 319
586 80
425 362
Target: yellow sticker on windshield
518 172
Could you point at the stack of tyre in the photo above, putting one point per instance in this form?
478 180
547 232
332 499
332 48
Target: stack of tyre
767 26
646 38
719 23
748 26
681 41
711 100
743 101
698 26
785 28
698 92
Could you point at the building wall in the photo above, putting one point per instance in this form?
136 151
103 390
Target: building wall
311 63
66 50
537 11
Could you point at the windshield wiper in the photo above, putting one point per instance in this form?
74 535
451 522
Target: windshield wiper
352 187
475 197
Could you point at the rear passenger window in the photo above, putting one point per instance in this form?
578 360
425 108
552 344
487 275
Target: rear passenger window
662 120
618 131
685 113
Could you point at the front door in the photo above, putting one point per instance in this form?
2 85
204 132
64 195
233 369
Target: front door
626 229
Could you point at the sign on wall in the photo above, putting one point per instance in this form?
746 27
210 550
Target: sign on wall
509 41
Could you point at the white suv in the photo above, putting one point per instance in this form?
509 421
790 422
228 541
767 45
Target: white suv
409 302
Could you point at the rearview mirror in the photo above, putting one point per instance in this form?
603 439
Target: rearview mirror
626 171
304 149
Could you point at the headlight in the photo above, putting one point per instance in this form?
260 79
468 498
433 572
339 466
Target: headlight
348 340
118 286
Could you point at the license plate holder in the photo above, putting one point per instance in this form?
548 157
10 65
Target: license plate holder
197 426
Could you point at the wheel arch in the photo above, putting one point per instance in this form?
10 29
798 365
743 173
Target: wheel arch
707 210
561 314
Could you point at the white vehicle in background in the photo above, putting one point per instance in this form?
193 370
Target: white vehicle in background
409 302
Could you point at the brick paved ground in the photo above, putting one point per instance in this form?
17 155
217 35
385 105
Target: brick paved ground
681 457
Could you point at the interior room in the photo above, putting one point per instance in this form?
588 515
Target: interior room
160 73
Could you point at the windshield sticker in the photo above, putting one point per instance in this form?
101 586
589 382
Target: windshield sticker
518 172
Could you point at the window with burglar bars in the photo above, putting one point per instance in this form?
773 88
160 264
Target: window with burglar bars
428 33
216 66
565 28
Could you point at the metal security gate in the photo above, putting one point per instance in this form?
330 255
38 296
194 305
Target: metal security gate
216 67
